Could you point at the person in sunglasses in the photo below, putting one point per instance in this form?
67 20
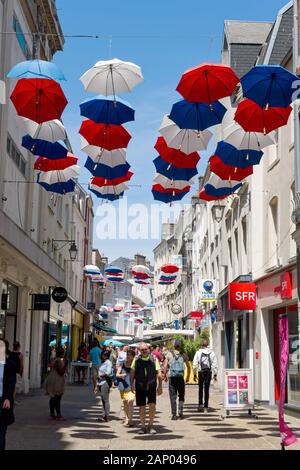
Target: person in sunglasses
146 374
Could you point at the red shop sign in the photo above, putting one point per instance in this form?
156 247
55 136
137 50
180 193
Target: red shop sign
286 286
242 296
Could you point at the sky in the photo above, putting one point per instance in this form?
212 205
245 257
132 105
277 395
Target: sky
164 37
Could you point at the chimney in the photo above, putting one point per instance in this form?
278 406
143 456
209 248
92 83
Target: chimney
140 259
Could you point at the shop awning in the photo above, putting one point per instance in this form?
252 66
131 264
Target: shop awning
101 327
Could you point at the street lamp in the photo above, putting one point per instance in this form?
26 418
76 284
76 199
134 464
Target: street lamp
72 250
218 212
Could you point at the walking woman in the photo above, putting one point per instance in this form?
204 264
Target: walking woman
123 377
55 386
104 384
7 388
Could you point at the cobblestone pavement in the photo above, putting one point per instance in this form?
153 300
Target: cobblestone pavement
198 431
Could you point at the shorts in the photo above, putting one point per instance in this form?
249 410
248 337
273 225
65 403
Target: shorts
127 395
143 395
95 370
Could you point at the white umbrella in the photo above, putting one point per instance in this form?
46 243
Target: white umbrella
91 269
169 183
110 77
218 183
140 268
243 140
111 158
51 131
117 189
187 140
59 176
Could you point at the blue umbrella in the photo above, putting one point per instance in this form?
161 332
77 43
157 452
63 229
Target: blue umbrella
219 192
113 270
198 116
167 278
269 85
108 197
239 158
107 342
98 169
60 188
172 172
105 109
36 69
43 148
168 197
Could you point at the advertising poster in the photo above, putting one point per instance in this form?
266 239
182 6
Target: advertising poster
238 390
208 290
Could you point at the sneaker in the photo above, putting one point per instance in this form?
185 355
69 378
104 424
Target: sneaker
205 409
152 431
200 408
103 419
180 415
142 431
174 417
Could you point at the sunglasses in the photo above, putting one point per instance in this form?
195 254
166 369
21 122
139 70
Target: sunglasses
144 350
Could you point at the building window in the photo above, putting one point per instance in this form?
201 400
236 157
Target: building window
21 38
273 231
244 231
230 250
16 156
236 239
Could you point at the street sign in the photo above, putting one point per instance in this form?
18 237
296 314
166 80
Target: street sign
59 294
41 302
91 306
176 309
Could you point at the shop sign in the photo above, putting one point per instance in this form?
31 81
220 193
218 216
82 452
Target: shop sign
238 389
41 302
242 296
59 294
286 286
91 306
208 290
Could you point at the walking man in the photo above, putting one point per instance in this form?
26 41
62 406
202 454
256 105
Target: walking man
95 359
174 364
146 373
205 362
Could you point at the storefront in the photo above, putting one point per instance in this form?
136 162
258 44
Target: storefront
8 311
79 315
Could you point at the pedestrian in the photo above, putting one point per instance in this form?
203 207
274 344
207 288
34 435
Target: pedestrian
7 388
146 372
81 357
174 367
17 357
104 384
55 386
113 359
122 355
157 354
95 359
123 377
205 362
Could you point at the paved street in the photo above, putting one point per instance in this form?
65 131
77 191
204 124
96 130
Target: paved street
81 431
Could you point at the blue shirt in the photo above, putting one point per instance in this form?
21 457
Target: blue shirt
1 379
95 356
105 369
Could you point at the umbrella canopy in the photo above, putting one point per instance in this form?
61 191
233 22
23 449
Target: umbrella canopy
113 270
38 99
169 268
217 187
230 155
186 140
171 184
143 282
172 172
49 130
91 269
167 278
228 172
108 136
62 187
207 83
206 197
36 68
45 164
269 85
99 181
252 118
247 140
198 116
176 157
115 279
115 343
107 110
166 283
140 270
59 176
44 148
105 171
100 155
109 77
168 196
135 306
106 191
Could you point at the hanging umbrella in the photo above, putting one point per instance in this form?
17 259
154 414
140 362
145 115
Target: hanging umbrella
45 164
44 148
36 68
100 155
108 136
135 306
91 269
38 99
168 195
169 268
143 282
59 176
171 172
107 110
206 197
228 172
168 278
140 270
115 279
269 85
198 116
252 118
217 187
207 83
165 283
176 157
109 196
242 140
99 181
119 307
61 187
97 169
109 77
113 270
186 140
230 155
169 183
108 192
49 130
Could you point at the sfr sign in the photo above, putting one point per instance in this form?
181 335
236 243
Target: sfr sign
242 296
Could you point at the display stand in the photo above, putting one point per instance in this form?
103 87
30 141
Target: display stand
238 392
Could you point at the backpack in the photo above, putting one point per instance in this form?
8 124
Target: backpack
205 362
177 366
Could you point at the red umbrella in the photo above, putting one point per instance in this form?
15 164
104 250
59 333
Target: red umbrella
38 99
176 157
251 117
45 164
107 136
228 172
169 268
161 189
99 181
207 83
206 197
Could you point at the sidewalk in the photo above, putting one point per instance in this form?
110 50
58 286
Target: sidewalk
197 431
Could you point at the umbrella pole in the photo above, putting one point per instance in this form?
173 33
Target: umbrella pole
113 85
